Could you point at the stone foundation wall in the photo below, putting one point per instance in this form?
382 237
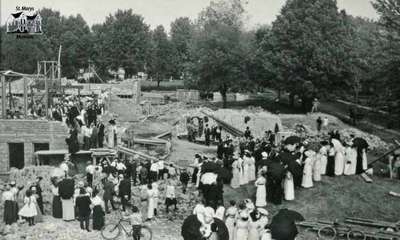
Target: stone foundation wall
29 132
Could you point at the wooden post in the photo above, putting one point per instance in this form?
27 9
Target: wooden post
3 97
25 98
9 92
46 90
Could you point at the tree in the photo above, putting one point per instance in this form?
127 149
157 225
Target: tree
181 36
390 20
218 51
261 71
308 43
160 63
123 40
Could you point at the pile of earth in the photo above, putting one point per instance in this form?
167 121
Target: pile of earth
309 123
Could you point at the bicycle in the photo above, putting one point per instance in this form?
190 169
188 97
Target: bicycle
113 231
337 230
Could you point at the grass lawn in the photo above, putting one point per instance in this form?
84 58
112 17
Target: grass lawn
336 198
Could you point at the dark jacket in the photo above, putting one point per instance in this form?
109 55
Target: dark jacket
83 205
108 190
66 188
283 226
184 178
125 188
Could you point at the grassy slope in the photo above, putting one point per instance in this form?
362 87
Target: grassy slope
337 198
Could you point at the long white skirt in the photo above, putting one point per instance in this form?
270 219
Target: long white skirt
288 187
339 164
317 169
230 224
261 196
324 162
307 181
68 211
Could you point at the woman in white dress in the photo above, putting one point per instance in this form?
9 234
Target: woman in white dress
29 210
156 195
288 187
112 131
220 211
242 225
323 155
316 167
364 159
246 169
235 181
243 178
251 166
254 226
307 181
261 196
151 198
339 157
351 161
230 215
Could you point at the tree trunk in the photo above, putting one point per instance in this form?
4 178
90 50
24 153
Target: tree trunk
223 94
279 94
291 99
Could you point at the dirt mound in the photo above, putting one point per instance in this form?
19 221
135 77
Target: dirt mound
260 120
289 122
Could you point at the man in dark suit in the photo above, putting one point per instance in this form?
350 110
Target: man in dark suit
108 187
124 191
100 134
83 202
39 193
207 135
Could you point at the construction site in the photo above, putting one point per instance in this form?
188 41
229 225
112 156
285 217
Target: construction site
154 126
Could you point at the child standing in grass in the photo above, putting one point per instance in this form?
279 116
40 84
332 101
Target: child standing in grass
136 221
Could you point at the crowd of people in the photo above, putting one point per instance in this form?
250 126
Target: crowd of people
276 168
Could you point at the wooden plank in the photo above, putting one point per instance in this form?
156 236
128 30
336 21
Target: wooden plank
229 128
394 194
163 135
132 152
366 178
150 141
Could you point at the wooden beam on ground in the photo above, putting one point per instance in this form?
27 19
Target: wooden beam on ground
133 152
162 135
366 178
229 128
394 194
149 141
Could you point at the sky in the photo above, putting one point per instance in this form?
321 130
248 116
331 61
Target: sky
156 12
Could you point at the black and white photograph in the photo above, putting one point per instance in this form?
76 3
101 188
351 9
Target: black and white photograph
200 119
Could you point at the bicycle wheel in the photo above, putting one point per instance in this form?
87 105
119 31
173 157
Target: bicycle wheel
328 233
358 235
110 231
146 233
